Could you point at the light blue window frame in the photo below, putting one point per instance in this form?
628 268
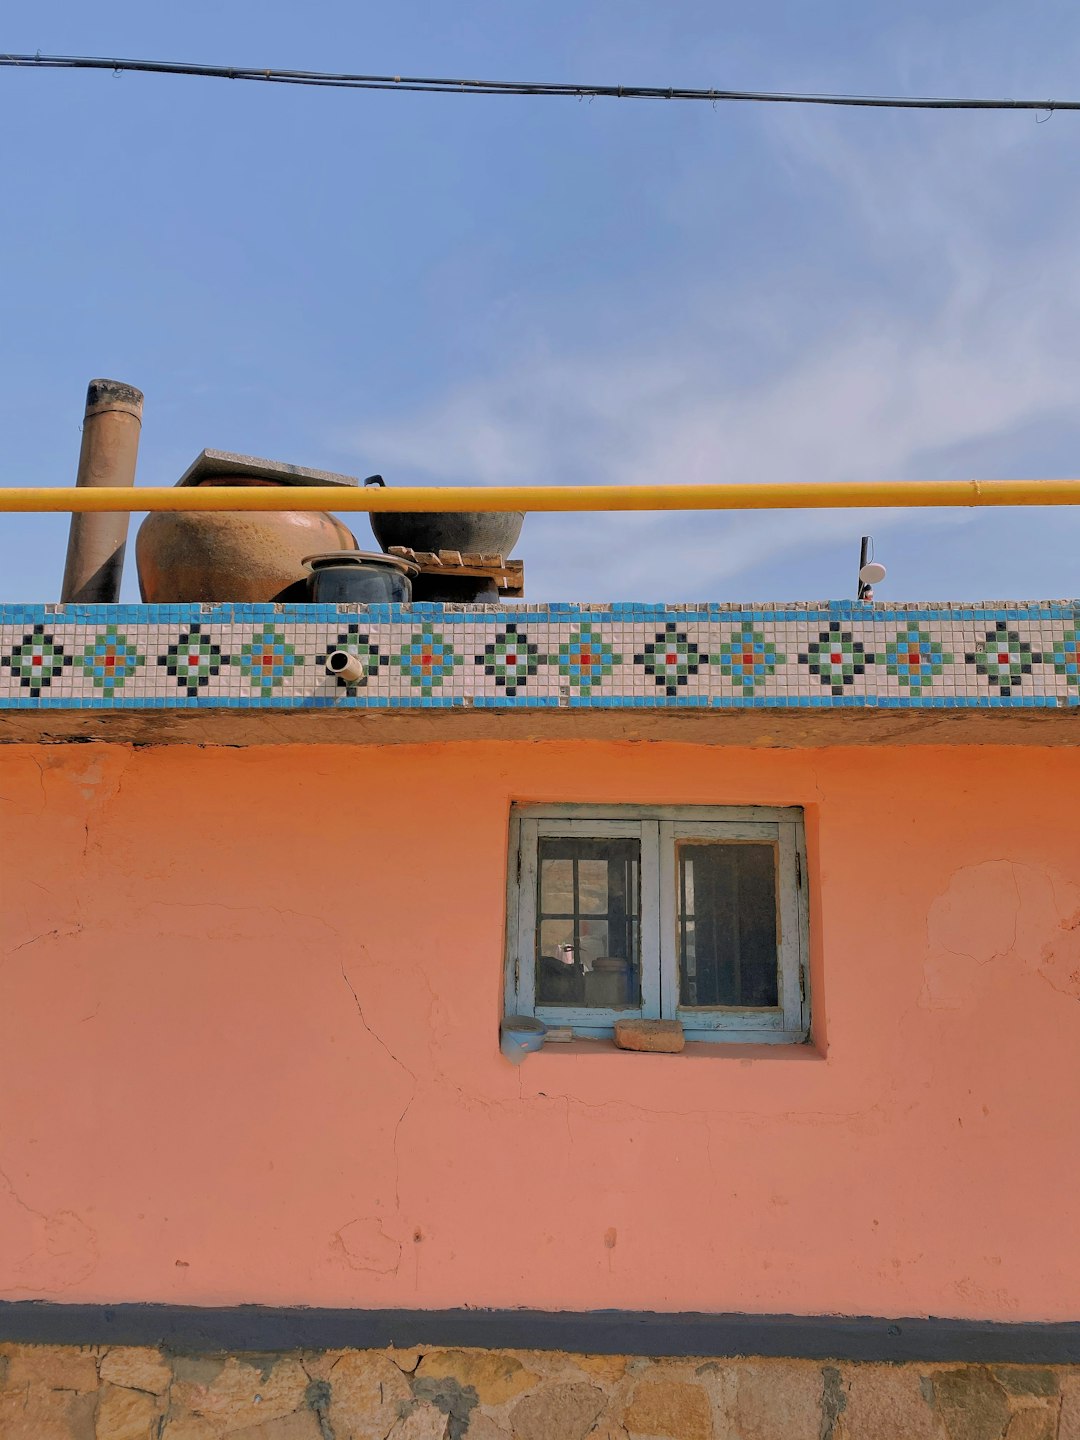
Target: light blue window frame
659 829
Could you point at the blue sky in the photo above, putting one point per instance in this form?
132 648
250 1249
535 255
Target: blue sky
451 289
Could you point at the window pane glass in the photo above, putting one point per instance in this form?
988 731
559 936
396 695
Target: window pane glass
557 881
726 924
593 886
587 923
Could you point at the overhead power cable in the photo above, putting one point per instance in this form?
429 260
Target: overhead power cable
442 85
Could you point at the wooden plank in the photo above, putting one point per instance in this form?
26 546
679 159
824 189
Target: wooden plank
512 576
509 575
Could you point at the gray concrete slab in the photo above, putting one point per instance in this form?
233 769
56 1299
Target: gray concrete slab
216 463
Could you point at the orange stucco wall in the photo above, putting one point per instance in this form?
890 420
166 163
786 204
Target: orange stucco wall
248 1041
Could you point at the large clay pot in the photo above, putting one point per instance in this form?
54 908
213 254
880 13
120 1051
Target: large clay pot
232 555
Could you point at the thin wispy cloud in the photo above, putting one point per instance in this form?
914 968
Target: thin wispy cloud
919 376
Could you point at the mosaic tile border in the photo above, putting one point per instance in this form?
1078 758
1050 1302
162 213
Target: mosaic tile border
524 656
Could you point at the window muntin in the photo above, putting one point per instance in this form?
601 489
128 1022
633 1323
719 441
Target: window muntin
724 980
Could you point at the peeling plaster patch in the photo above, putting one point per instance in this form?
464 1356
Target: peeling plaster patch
263 1363
833 1400
364 1245
1059 959
455 1401
317 1399
90 778
982 1298
58 1248
998 909
973 922
201 1370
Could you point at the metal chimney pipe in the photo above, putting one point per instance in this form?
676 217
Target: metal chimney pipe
110 446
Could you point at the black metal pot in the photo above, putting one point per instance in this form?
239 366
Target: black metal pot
472 534
359 579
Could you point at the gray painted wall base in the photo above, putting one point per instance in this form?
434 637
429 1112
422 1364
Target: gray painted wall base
194 1329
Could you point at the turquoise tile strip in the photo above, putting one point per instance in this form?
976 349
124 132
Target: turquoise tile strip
522 656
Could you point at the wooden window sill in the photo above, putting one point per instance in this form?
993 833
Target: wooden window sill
795 1052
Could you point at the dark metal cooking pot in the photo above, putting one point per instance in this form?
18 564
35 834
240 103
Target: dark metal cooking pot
470 533
358 578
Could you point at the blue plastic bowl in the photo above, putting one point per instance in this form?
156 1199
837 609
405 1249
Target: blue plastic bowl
521 1035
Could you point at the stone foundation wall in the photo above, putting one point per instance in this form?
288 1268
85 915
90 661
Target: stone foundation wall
121 1393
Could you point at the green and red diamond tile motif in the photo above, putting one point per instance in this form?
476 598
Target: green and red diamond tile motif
586 659
193 659
511 659
110 660
747 659
1004 657
268 659
836 658
671 658
36 660
359 643
427 660
915 659
624 655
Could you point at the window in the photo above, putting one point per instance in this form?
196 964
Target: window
690 913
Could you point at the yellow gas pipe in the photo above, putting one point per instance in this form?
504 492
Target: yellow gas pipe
829 494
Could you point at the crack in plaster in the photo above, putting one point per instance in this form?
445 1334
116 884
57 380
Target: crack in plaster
815 780
57 932
408 1104
997 954
359 1255
41 780
53 1222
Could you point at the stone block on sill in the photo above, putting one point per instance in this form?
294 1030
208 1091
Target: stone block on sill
659 1036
